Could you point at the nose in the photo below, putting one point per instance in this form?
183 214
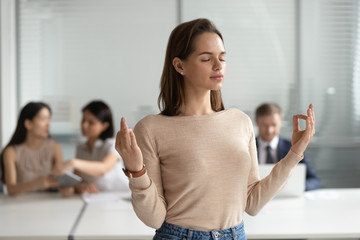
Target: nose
218 65
270 130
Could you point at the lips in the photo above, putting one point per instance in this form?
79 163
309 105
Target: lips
218 77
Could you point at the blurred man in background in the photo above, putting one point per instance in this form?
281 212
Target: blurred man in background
271 148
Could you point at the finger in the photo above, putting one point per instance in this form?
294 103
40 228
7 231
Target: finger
301 116
133 139
310 130
312 113
308 124
308 120
93 188
122 129
117 141
123 125
85 190
124 134
295 123
312 122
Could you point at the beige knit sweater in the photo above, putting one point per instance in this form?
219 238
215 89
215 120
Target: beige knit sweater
202 171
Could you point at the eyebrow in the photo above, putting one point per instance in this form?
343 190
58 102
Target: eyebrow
210 53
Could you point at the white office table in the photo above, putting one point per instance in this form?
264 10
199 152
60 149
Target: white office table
38 216
326 213
112 220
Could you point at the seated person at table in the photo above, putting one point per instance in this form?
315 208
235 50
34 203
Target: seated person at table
97 161
28 159
270 147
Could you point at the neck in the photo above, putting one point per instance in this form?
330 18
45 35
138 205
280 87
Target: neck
91 142
262 139
33 142
196 103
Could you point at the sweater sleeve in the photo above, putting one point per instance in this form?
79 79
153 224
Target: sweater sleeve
259 192
147 191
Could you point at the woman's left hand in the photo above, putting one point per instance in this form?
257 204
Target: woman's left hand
301 138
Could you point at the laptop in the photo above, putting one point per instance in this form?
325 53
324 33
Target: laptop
295 186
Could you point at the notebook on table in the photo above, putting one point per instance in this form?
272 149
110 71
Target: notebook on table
295 186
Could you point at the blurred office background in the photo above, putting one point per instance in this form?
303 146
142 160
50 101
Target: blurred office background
293 52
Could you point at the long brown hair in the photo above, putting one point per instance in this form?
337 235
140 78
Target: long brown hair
172 96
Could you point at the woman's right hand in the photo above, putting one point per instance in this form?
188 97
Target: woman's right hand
128 149
63 168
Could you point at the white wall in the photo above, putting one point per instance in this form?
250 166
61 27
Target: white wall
8 103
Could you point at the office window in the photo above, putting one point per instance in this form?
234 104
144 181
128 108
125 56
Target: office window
329 78
293 52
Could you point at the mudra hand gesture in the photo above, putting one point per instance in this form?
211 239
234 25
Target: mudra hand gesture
128 149
131 154
301 138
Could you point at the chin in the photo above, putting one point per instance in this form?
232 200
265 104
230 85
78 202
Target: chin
217 88
45 135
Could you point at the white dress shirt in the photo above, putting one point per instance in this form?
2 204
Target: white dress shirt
262 144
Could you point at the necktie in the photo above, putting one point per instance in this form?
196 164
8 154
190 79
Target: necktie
269 157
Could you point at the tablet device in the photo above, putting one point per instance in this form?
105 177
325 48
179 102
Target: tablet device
69 179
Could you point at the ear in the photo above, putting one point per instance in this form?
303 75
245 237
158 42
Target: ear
178 65
105 125
28 124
